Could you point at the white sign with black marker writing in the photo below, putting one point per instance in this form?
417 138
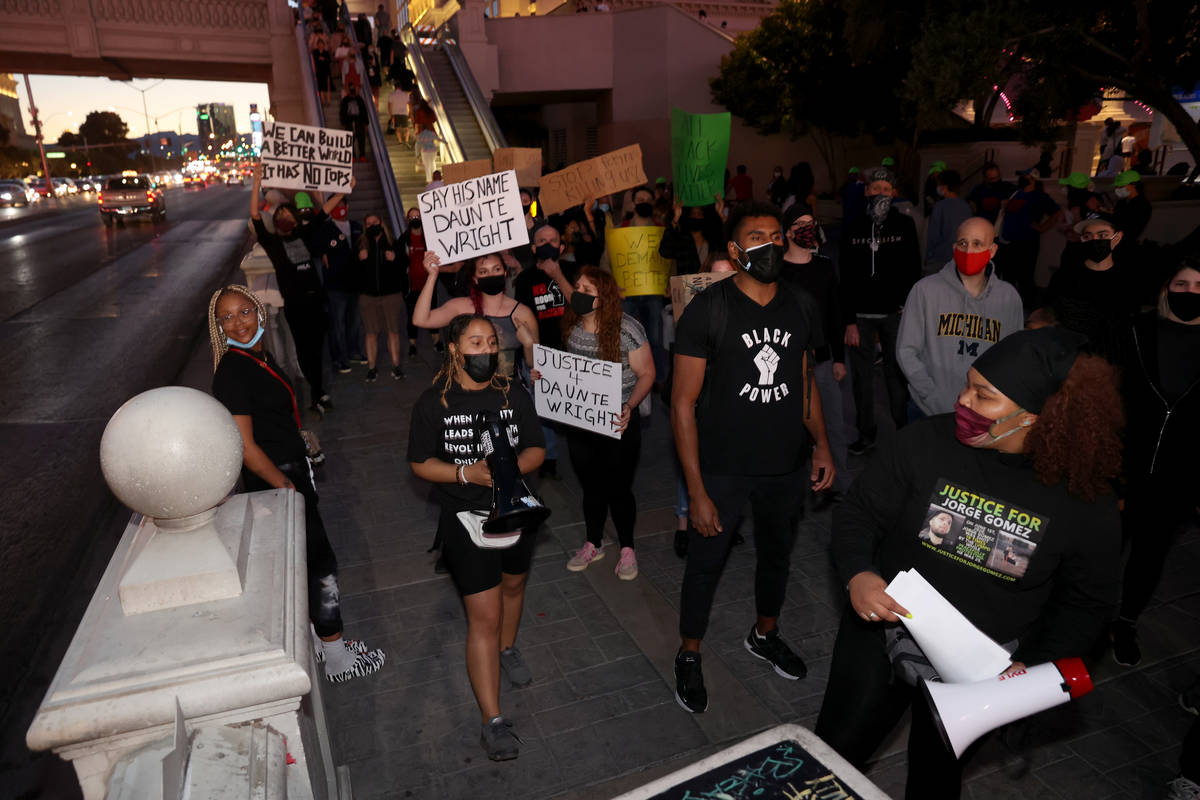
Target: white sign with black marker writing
473 218
304 157
577 390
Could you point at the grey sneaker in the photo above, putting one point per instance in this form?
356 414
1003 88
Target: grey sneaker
515 668
498 740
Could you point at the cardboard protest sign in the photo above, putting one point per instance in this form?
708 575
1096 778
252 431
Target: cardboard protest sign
577 390
474 217
685 287
465 170
699 150
606 174
636 264
527 161
303 157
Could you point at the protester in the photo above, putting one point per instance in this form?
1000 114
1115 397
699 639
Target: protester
385 40
1027 215
742 185
880 261
594 326
323 67
1131 214
299 283
362 31
352 113
647 309
1095 291
1110 144
427 152
805 268
383 280
801 186
948 213
930 194
853 196
445 451
741 369
250 383
1035 431
398 108
413 241
515 325
334 242
953 317
1162 401
694 234
988 198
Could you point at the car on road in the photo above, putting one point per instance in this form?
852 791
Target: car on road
128 195
234 177
16 193
64 186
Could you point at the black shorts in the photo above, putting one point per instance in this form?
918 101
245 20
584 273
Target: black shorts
474 569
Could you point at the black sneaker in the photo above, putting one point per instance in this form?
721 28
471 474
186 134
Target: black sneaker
342 368
860 446
372 374
772 648
499 741
1125 648
397 373
412 351
317 408
326 402
681 543
689 682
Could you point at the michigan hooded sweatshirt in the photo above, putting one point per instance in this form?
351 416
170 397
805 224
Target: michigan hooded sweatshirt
944 329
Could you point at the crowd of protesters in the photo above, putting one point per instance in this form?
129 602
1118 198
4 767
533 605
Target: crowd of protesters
1061 396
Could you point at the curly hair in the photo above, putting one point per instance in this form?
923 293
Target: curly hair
608 314
1077 436
452 360
216 336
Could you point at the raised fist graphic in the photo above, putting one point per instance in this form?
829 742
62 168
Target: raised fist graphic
767 361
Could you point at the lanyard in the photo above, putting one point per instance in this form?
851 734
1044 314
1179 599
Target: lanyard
286 385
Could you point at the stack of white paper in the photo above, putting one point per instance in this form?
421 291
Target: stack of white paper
960 652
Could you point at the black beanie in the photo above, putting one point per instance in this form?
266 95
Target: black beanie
796 211
1029 366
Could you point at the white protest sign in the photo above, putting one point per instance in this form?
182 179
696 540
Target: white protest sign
473 218
577 390
304 157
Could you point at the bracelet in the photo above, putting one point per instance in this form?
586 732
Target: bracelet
460 475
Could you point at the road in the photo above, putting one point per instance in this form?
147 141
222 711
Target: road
89 317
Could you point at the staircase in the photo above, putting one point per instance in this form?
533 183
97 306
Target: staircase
367 197
454 99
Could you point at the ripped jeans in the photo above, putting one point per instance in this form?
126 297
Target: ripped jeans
324 602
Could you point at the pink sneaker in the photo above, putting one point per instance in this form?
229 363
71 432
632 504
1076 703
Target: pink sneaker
627 566
586 555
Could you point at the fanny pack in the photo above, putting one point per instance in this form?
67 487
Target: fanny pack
473 522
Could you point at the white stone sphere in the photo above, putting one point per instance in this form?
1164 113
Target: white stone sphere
171 452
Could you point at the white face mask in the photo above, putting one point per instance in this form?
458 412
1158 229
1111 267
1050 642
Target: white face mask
1121 192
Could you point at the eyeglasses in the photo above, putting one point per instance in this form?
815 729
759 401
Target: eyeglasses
243 313
1087 236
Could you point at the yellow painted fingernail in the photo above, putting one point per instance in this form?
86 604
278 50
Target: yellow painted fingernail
909 615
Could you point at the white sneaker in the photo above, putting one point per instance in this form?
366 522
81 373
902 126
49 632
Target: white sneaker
586 555
627 566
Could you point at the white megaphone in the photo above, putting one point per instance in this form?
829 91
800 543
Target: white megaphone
965 711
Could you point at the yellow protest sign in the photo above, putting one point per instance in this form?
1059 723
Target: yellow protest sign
636 264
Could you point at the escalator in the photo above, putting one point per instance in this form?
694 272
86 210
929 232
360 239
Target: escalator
466 124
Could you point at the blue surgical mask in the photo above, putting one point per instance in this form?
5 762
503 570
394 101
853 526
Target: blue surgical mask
249 344
602 207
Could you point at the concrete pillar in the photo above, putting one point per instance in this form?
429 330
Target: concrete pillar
288 100
483 58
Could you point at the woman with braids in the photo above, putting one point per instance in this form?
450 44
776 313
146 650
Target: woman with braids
594 326
250 383
515 324
1162 400
1024 469
444 449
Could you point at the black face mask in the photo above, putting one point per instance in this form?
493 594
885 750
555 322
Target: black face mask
492 284
763 263
586 303
1184 305
374 231
415 223
546 252
878 206
644 210
1096 250
480 367
525 208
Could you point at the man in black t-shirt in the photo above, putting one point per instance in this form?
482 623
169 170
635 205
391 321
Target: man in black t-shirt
745 416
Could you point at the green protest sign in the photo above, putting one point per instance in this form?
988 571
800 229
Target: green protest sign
699 150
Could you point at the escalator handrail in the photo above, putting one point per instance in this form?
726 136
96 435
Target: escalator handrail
425 80
466 79
383 164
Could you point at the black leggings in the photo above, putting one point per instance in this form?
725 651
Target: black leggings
605 468
324 603
1151 519
864 701
307 320
777 503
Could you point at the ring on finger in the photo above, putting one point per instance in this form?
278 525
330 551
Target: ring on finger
872 615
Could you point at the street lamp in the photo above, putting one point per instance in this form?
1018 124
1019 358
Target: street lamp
146 114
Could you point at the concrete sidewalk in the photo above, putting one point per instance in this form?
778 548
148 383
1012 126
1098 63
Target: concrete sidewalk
600 716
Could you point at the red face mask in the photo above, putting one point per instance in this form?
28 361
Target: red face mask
975 430
340 213
971 263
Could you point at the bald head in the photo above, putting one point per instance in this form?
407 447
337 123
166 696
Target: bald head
975 233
